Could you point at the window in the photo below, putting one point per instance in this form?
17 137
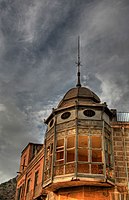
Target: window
59 162
59 155
70 142
28 186
24 163
60 152
83 154
70 155
90 154
83 141
96 141
48 161
96 155
51 122
65 155
96 145
36 179
65 115
49 153
83 148
89 113
108 155
19 193
108 152
34 150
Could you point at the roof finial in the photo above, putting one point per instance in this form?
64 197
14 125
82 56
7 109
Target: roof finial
78 65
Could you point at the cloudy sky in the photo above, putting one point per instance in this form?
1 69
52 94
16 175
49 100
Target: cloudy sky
38 50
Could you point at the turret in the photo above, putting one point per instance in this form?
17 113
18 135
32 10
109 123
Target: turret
78 141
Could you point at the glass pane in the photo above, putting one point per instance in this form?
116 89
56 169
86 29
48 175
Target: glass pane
96 142
82 154
106 145
96 156
83 168
96 169
89 113
70 155
28 186
51 148
109 147
36 178
50 161
71 142
69 168
108 159
60 143
83 141
59 155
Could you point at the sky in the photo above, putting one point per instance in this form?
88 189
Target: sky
38 54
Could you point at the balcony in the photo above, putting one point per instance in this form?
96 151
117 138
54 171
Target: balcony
87 161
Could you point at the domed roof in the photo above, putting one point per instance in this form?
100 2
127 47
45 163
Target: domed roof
79 93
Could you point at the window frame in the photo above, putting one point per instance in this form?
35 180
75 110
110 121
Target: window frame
68 149
28 186
36 179
59 150
89 149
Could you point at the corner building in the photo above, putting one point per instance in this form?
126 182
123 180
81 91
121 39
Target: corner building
85 154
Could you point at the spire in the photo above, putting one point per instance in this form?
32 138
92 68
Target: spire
78 65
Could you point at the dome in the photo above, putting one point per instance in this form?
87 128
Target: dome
78 94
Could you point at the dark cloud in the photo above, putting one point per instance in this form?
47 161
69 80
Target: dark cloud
38 41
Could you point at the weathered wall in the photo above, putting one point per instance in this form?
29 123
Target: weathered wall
121 154
36 165
83 193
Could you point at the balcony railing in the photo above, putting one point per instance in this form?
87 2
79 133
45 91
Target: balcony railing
123 116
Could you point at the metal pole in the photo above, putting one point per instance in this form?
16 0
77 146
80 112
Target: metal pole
76 140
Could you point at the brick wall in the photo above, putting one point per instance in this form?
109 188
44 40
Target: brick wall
121 155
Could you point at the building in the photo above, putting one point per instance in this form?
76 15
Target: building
85 154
